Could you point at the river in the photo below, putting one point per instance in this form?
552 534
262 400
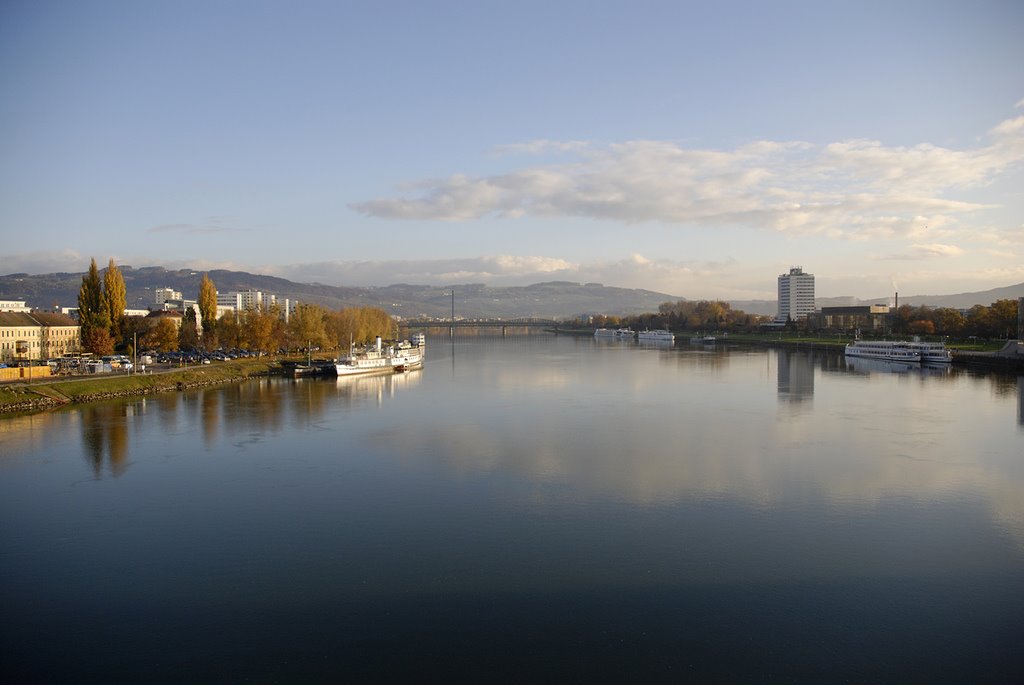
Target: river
529 508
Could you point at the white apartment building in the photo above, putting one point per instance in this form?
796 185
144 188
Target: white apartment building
796 295
240 301
162 295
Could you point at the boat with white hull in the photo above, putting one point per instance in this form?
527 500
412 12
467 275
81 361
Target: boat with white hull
931 352
617 333
380 359
657 335
882 349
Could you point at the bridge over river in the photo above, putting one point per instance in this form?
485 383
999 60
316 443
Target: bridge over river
524 326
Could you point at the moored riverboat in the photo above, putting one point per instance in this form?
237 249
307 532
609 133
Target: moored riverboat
658 335
931 352
616 333
378 358
882 349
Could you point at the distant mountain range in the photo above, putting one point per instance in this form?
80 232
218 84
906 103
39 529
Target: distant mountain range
554 300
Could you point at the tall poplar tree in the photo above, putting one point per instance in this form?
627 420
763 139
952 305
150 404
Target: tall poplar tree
92 313
114 298
207 302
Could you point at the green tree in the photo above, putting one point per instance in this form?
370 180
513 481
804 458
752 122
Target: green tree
91 310
949 321
1003 318
114 299
135 328
978 321
188 334
207 302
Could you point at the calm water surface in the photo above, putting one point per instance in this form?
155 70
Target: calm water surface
529 507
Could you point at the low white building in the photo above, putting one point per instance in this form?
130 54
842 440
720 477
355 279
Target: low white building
13 306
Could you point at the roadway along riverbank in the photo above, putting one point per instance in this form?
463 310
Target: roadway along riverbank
27 397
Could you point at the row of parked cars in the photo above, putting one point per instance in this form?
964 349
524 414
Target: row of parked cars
199 356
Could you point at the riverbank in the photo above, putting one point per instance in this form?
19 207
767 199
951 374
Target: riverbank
26 397
994 355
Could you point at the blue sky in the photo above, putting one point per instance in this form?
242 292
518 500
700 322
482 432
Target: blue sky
697 149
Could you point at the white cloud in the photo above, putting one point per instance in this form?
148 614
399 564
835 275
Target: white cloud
939 250
927 251
501 269
848 189
46 262
213 224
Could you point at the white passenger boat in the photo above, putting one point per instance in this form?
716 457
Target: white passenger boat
703 340
659 335
931 352
617 333
380 359
882 349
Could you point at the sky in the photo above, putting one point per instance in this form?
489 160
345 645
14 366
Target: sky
692 148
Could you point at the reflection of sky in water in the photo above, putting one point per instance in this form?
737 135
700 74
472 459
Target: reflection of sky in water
650 428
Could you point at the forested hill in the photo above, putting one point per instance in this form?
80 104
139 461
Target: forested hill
559 300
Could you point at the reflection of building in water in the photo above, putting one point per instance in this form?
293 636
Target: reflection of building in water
796 376
1020 398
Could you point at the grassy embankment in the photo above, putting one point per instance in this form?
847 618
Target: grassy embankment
55 392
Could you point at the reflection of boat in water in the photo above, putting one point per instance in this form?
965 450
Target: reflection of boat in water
617 334
377 358
375 387
862 365
882 349
867 365
657 335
